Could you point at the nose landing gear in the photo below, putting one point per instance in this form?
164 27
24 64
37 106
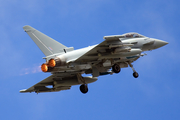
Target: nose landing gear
83 88
135 74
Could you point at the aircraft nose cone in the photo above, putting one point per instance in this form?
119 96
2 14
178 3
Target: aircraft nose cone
159 43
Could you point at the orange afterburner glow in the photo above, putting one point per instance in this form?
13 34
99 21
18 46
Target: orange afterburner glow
44 67
52 63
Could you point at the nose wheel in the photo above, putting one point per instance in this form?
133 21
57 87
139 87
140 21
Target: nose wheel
135 74
83 88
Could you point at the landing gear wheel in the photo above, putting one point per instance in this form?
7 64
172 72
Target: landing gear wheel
116 68
83 88
135 74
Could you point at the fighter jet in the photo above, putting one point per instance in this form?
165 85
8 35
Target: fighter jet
67 65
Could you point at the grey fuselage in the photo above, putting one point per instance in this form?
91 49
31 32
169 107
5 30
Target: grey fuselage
139 45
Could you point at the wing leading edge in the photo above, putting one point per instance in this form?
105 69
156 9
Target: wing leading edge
105 49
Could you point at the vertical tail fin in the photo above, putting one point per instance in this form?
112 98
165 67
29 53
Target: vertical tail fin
47 45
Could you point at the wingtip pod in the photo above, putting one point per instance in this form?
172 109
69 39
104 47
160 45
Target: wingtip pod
23 91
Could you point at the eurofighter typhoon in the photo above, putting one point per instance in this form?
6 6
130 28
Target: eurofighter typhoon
67 65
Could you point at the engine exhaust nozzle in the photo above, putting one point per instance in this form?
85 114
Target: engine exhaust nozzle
52 63
44 67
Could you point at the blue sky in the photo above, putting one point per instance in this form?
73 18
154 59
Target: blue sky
80 23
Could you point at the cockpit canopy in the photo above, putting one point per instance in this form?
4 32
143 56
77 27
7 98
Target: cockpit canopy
132 35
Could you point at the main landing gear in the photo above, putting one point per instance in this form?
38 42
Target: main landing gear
116 68
83 88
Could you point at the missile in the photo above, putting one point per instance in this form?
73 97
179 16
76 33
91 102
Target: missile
120 45
132 52
120 50
122 54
